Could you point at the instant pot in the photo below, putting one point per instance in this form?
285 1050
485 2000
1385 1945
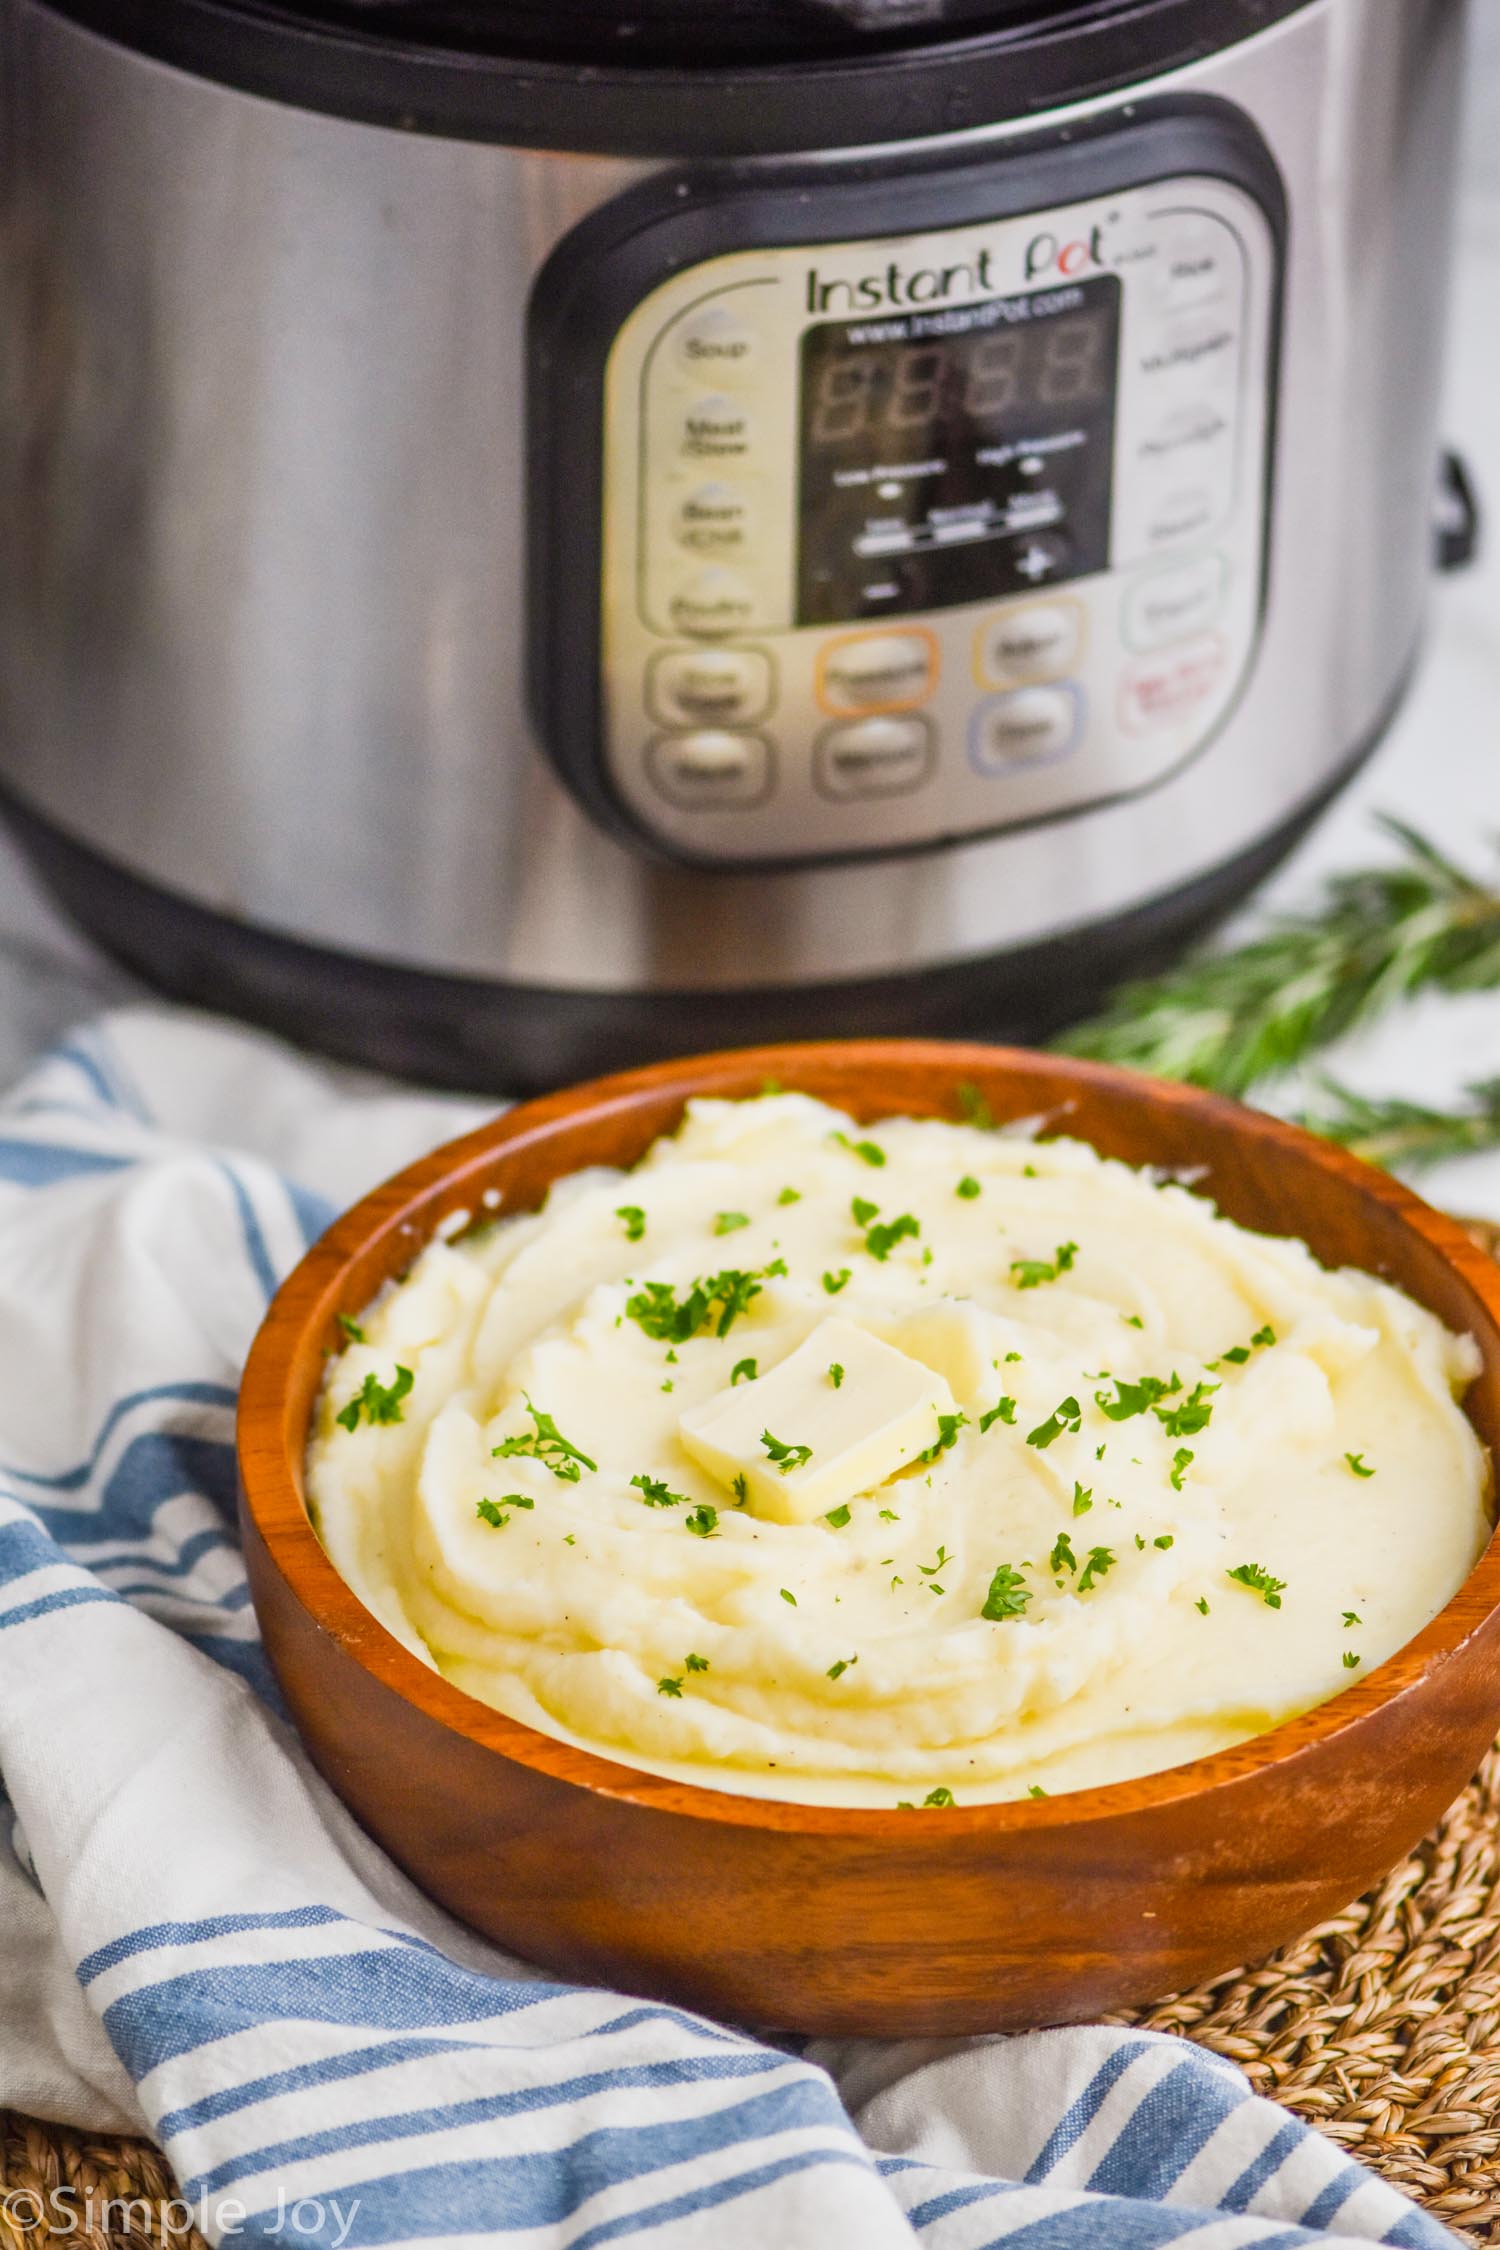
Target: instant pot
532 535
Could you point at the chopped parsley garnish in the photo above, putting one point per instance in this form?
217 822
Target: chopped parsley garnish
1007 1597
834 1282
836 1375
837 1671
786 1457
789 1195
741 1491
939 1797
1030 1273
974 1109
1083 1498
1066 1415
1062 1556
864 1211
1352 1617
702 1522
1259 1582
868 1152
380 1403
1140 1543
949 1426
838 1516
743 1371
889 1515
494 1511
730 1222
1202 1604
1359 1464
788 1597
656 1494
1132 1320
697 1663
716 1301
968 1187
634 1220
1003 1410
546 1444
1350 1660
1194 1414
1011 1356
882 1240
930 1570
669 1687
1182 1461
1166 1540
1238 1355
354 1334
1134 1398
1036 1790
1100 1561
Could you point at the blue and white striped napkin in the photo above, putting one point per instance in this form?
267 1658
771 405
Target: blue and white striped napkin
197 1940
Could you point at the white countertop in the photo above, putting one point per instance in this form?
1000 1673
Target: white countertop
1439 767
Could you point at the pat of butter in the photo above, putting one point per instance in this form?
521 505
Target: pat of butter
878 1417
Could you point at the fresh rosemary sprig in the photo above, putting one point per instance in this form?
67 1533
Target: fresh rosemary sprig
1234 1019
1407 1136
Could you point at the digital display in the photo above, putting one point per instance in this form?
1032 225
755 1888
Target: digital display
956 455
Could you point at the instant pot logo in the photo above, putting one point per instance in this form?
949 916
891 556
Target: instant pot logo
896 284
1066 255
896 287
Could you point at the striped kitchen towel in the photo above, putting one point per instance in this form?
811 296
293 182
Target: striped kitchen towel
196 1939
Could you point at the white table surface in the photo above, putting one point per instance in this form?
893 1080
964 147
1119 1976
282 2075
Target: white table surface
1439 766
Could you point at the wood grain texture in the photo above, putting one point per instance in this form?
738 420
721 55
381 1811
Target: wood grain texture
823 1919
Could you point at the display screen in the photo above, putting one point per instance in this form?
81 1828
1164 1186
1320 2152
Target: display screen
956 455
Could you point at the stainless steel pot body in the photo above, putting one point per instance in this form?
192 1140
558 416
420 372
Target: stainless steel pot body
262 490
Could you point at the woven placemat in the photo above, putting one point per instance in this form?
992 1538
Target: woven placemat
1381 2027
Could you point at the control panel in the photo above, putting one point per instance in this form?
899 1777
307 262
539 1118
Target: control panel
934 534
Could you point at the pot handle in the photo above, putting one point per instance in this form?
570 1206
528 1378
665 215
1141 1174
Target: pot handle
1455 514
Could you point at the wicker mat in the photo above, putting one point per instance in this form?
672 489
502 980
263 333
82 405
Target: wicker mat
1382 2027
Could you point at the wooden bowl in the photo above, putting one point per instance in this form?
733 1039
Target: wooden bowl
991 1917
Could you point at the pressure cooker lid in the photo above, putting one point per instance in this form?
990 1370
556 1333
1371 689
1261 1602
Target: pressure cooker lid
684 31
679 79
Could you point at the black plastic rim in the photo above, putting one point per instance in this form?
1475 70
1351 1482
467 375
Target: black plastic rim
911 93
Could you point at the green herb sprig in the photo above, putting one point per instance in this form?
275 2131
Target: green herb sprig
1230 1020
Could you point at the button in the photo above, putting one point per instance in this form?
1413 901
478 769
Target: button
1039 555
1184 513
717 343
1175 602
1031 727
1198 268
1034 643
877 671
1163 690
717 601
715 429
714 520
711 769
709 686
1197 354
1185 436
873 758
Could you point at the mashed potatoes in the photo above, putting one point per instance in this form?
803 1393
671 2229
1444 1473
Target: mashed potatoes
903 1464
